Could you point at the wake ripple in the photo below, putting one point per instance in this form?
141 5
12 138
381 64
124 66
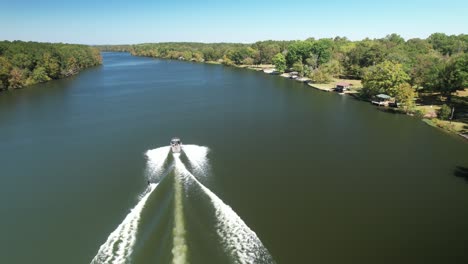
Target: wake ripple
237 239
119 245
156 159
197 158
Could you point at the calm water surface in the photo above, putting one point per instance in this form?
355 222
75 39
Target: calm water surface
318 177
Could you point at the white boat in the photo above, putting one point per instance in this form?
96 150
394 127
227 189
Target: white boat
176 145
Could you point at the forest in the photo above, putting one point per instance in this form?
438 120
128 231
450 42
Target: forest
27 63
390 65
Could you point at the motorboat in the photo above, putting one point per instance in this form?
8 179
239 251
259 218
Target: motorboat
176 145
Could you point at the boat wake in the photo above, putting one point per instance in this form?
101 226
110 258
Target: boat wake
237 239
239 243
118 247
197 157
155 164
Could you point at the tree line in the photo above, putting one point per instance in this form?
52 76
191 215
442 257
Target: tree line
390 65
27 63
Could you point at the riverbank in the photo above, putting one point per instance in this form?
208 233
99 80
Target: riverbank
424 109
27 63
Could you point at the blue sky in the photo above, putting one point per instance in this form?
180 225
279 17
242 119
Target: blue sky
140 21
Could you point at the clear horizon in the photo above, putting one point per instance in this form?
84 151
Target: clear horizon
121 22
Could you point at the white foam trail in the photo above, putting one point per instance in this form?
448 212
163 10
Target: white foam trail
119 245
236 237
156 158
179 250
197 158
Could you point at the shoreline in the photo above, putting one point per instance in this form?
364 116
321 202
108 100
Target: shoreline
434 122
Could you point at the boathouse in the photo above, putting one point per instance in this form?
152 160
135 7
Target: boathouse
341 87
382 99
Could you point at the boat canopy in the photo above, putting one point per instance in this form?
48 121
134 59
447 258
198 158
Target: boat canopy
383 96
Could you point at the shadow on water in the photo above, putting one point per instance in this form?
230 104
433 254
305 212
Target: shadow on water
461 172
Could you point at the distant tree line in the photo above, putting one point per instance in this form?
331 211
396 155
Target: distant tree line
389 65
27 63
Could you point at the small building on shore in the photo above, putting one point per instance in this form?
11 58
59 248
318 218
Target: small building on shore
294 75
341 87
270 71
382 100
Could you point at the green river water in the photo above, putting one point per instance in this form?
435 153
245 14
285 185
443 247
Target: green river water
272 172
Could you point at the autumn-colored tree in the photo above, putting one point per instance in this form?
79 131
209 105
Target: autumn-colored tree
17 78
71 67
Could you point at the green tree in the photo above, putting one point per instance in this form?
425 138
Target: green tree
187 55
405 94
332 68
71 67
227 60
301 51
366 53
298 51
267 50
23 61
40 75
26 63
444 112
425 72
51 65
299 67
385 78
448 45
322 49
280 62
248 61
454 76
239 54
394 39
319 76
5 68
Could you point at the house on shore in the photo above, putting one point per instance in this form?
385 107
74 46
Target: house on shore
341 87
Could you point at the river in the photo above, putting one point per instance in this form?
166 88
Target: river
272 171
